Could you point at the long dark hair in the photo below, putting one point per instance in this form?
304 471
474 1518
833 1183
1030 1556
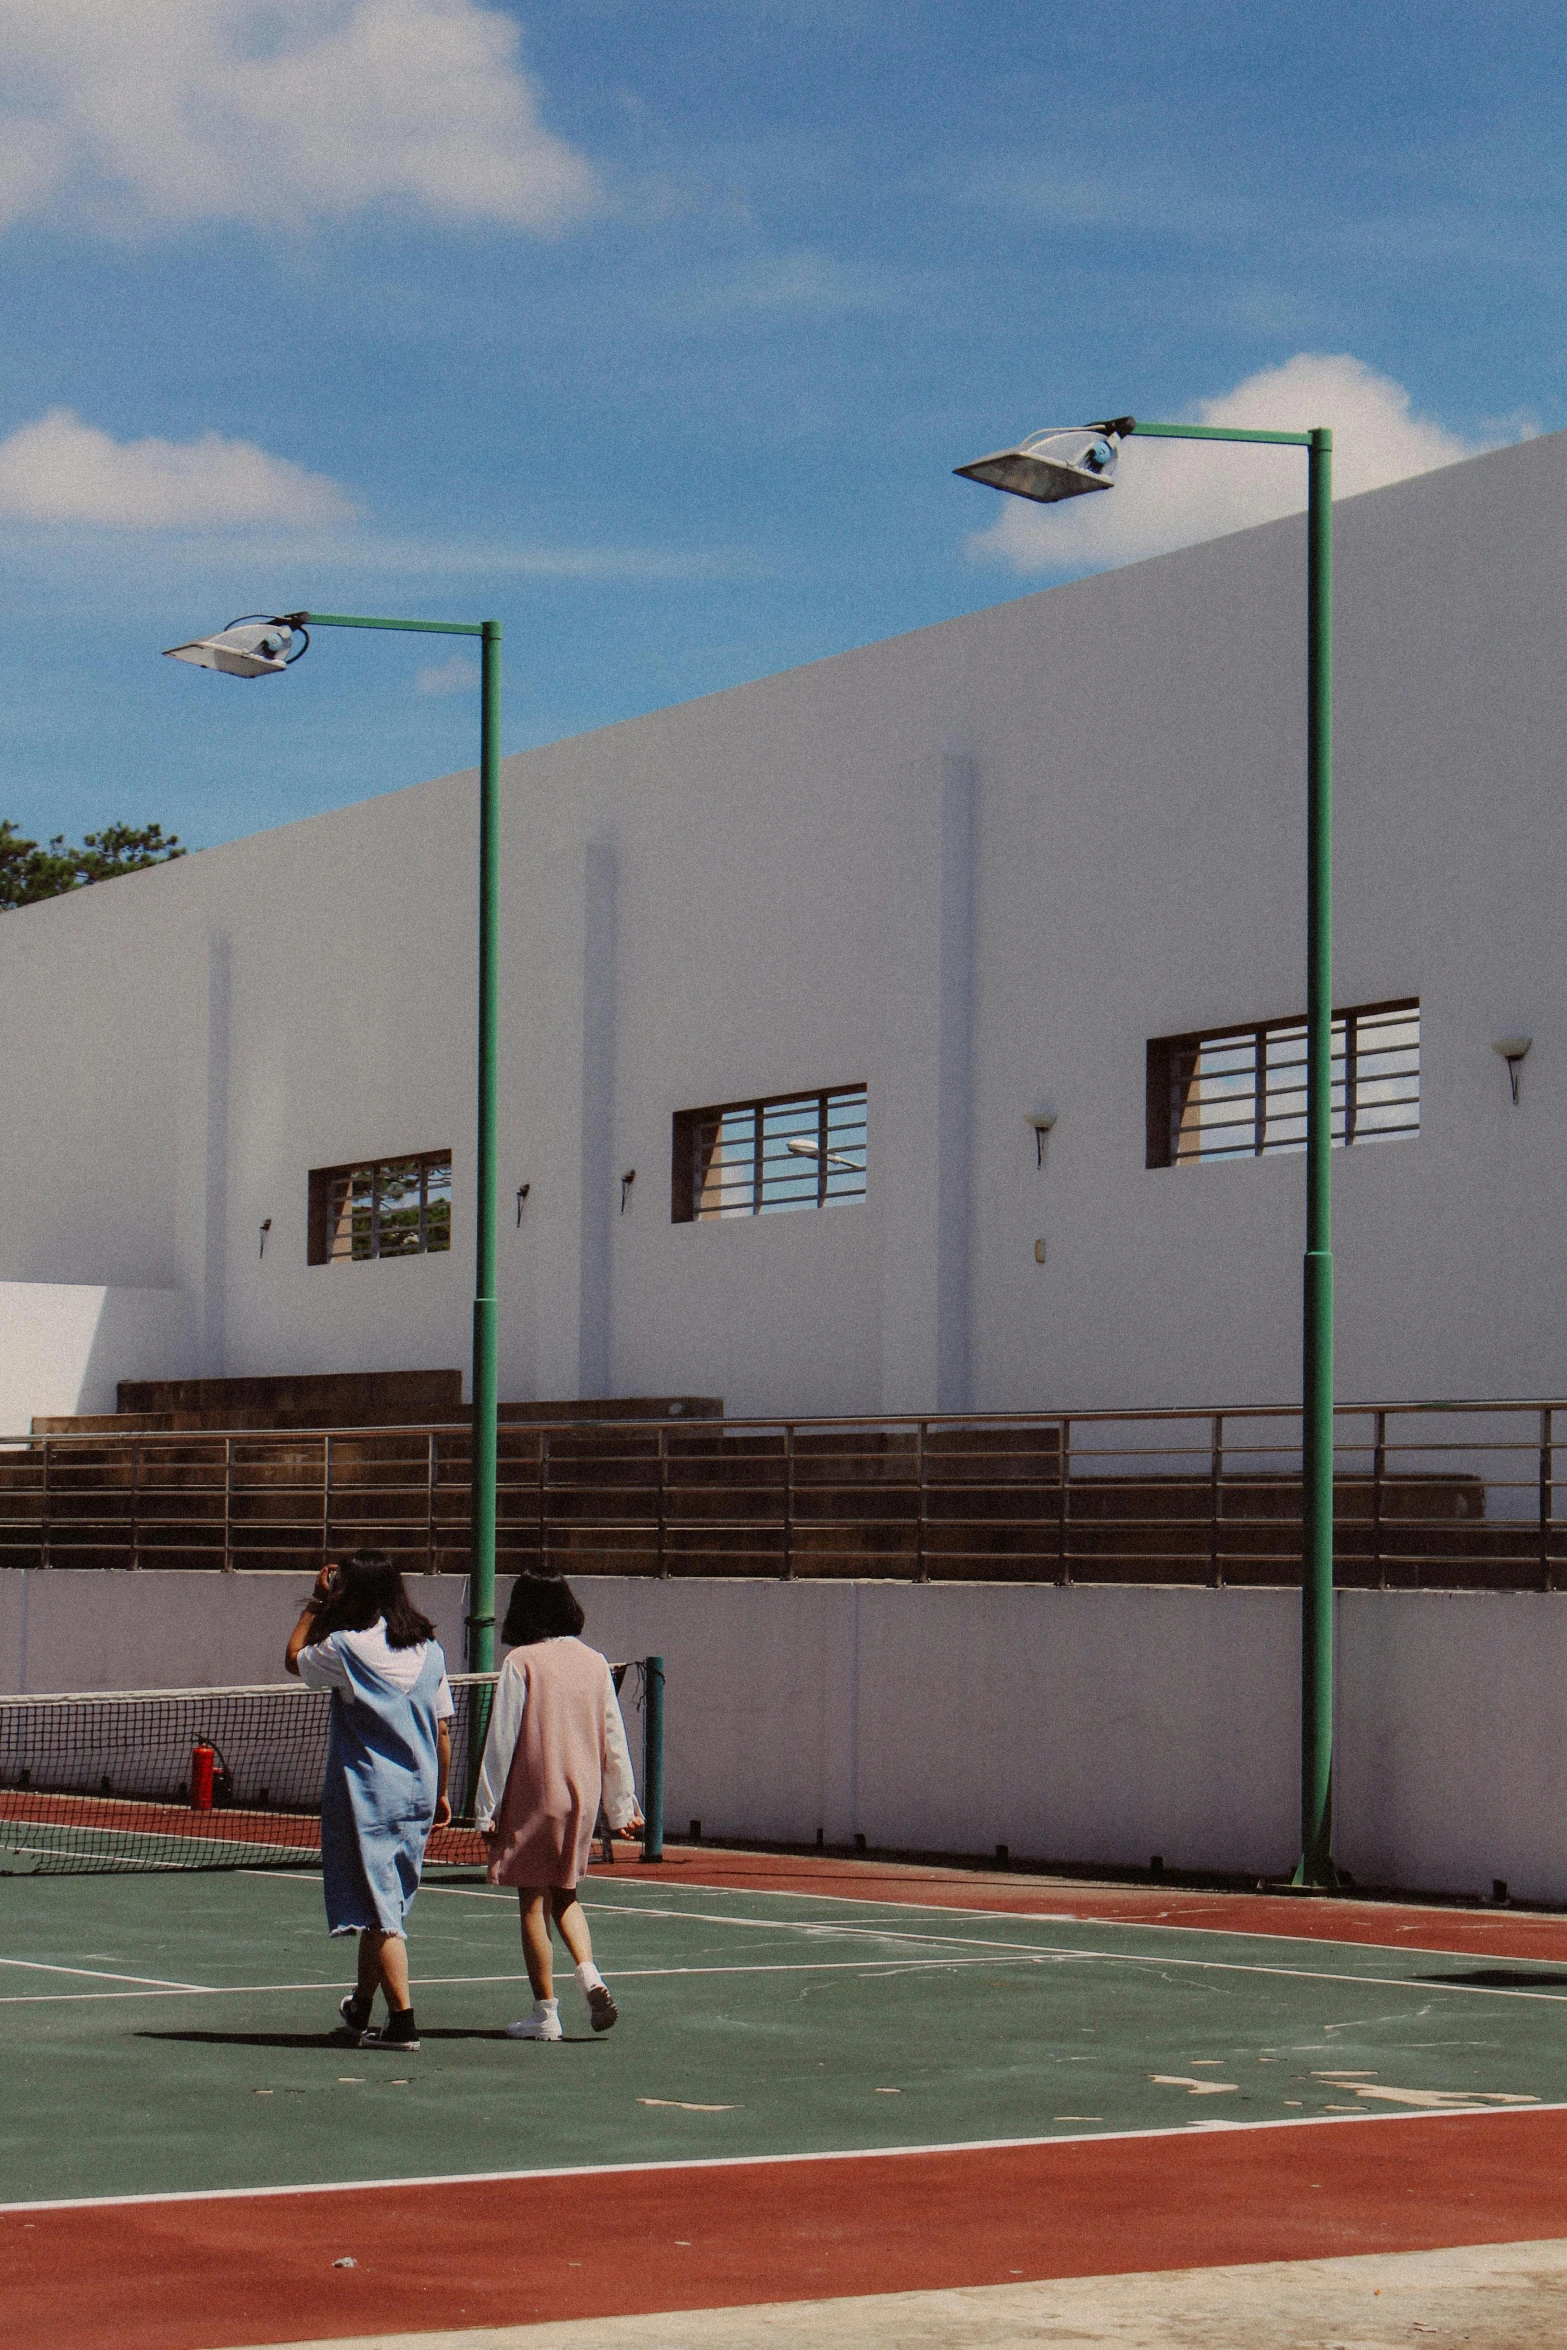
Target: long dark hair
541 1607
369 1585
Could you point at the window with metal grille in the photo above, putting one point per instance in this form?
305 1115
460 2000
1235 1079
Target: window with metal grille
389 1208
798 1150
1240 1093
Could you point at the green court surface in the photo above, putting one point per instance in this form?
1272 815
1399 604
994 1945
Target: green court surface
176 2032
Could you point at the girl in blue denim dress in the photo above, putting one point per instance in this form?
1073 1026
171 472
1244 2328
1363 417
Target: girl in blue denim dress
388 1758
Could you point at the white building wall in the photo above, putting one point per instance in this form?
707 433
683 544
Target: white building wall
64 1346
977 867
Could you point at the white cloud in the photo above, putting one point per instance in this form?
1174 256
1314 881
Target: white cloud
478 559
809 284
1171 493
267 111
60 470
455 676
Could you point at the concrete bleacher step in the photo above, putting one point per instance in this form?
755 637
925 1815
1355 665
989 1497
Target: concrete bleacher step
339 1399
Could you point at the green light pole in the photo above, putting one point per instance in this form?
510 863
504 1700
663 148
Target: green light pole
264 646
1048 467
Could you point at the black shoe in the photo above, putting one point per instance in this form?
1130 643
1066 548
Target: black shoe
355 2011
602 2011
399 2033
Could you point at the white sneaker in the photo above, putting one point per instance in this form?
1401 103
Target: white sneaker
603 2014
543 2024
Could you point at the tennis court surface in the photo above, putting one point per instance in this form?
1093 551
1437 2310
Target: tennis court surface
832 2081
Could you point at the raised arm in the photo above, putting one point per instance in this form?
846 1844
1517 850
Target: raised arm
499 1747
304 1631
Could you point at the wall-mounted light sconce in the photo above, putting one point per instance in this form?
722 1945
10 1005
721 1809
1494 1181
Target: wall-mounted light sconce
523 1190
265 1229
1041 1121
626 1181
1513 1050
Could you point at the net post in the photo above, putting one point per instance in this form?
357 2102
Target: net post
653 1759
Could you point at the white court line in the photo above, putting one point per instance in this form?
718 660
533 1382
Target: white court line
600 2170
1063 1952
102 1974
825 1966
1067 1951
1021 1917
1066 1917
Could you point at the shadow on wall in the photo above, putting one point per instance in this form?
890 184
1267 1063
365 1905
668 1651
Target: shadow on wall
65 1345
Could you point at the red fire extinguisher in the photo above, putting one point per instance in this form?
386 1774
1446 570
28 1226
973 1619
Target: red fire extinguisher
203 1764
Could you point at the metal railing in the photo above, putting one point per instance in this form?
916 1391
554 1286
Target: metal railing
1437 1495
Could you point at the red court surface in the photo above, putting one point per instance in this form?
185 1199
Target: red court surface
215 2272
209 2274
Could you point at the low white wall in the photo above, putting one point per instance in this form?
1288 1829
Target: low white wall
1090 1725
1452 1752
1086 1724
65 1345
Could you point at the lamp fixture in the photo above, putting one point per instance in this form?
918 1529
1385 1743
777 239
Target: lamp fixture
626 1181
261 644
523 1190
1061 462
265 1229
1514 1051
1041 1121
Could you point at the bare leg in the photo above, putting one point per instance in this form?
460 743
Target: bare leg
571 1925
536 1941
383 1963
573 1930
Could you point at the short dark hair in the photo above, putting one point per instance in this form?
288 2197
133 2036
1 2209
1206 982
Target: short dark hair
369 1585
541 1607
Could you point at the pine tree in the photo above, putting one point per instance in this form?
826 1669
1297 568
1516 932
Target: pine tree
29 873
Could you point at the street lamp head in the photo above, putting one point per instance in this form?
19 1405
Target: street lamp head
261 645
1064 462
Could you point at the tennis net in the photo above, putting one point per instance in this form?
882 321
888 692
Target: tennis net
189 1779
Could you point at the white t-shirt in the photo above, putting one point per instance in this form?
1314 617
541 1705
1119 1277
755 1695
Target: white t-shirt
322 1667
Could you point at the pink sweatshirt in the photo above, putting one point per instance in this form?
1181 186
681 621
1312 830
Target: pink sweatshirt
556 1749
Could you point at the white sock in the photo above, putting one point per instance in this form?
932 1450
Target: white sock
546 2007
589 1978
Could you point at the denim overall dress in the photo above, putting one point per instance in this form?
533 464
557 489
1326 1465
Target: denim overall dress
378 1801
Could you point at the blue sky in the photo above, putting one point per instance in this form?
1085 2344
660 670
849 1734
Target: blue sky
654 328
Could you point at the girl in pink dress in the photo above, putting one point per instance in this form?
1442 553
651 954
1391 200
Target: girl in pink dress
555 1752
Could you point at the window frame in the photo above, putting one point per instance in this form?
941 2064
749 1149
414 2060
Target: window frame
326 1212
1167 1091
685 1144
